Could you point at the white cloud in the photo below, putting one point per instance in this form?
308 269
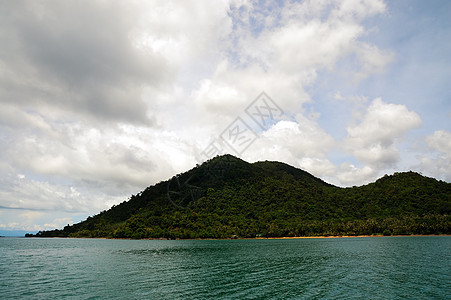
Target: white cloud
42 195
33 221
352 99
359 9
125 155
282 55
437 162
30 217
348 174
302 143
373 140
218 98
371 60
440 141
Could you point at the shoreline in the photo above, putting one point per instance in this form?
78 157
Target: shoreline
348 236
253 238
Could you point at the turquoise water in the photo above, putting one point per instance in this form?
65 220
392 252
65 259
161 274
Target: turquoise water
359 268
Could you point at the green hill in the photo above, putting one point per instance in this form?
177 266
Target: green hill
228 197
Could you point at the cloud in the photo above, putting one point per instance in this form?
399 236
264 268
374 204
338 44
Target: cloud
302 143
359 9
95 59
218 98
124 156
32 194
348 174
31 216
371 60
440 141
87 102
77 58
372 141
84 96
438 162
281 49
33 221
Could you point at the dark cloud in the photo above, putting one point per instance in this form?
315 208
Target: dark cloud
77 57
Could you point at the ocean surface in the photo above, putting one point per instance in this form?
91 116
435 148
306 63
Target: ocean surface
332 268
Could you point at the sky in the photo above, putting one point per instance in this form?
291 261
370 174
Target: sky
100 99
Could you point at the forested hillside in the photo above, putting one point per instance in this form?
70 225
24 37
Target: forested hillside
227 197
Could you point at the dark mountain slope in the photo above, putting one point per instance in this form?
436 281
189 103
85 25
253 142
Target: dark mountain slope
227 196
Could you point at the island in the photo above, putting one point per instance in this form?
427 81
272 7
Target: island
226 197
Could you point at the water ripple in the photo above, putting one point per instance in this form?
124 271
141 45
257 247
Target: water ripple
376 268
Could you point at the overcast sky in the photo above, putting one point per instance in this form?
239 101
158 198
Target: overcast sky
100 99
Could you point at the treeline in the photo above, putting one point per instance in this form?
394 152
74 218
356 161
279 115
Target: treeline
227 197
218 227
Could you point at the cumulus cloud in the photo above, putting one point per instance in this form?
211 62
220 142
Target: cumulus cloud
439 164
348 174
300 143
440 141
283 47
373 140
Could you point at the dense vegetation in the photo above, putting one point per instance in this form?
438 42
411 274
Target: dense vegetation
228 197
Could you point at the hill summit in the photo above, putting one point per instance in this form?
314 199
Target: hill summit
227 197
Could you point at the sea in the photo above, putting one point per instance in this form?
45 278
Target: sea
410 267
